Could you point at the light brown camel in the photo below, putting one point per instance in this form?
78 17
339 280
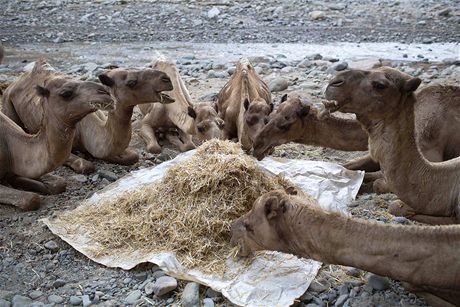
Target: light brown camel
104 137
107 137
244 103
383 100
181 117
24 158
426 257
297 121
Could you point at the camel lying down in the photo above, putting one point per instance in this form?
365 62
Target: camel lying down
426 257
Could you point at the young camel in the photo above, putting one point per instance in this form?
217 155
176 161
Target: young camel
296 121
244 103
24 158
181 117
383 101
103 137
426 257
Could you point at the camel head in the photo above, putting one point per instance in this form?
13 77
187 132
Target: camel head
372 93
69 100
208 124
255 117
260 228
132 87
284 126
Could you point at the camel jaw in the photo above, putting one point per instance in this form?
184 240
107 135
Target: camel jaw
166 99
102 105
330 106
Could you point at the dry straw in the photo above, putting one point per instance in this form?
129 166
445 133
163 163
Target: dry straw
189 212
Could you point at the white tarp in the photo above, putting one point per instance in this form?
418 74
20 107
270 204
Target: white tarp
272 279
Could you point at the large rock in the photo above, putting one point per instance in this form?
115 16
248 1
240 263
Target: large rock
378 282
164 284
55 299
365 64
133 297
191 295
278 85
317 15
21 301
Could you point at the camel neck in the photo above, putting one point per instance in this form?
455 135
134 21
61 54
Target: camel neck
334 132
408 253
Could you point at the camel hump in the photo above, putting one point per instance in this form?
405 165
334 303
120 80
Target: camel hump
42 65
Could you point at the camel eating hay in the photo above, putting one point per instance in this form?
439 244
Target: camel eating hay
189 211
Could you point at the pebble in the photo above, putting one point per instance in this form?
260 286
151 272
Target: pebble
207 302
212 293
445 12
304 63
75 300
20 301
141 276
86 300
79 178
148 289
317 15
191 295
58 283
278 85
132 297
4 303
340 66
52 246
157 274
378 282
400 220
217 74
55 299
214 12
164 284
318 287
110 176
341 300
35 294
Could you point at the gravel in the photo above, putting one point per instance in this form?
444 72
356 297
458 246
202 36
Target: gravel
191 295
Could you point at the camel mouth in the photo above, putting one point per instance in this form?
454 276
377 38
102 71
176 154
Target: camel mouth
166 99
260 154
330 106
103 105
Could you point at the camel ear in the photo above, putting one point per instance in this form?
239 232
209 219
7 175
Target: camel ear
216 107
246 104
284 98
291 190
412 84
304 110
274 208
191 112
272 106
106 80
220 123
41 91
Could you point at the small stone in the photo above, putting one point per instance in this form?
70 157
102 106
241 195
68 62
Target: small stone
212 293
191 295
214 12
75 300
341 300
19 301
52 246
278 85
400 220
343 289
378 282
55 299
207 302
445 12
317 15
164 284
132 297
110 176
319 287
58 283
79 178
157 274
354 272
148 289
141 276
4 303
304 64
35 294
170 300
86 300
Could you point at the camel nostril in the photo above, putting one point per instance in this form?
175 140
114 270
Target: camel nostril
337 82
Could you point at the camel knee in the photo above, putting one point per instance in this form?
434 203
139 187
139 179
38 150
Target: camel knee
28 201
398 208
154 148
82 166
54 184
380 186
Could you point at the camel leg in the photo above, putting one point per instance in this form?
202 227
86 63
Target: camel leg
25 200
79 165
47 184
399 208
364 163
372 176
128 157
380 186
187 140
176 141
148 135
433 296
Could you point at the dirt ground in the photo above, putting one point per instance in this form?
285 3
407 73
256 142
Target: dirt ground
61 30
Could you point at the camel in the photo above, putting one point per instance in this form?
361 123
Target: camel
383 100
426 257
106 137
24 158
181 117
244 103
297 121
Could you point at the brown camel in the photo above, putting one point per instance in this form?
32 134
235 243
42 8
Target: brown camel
424 256
107 137
383 100
297 121
24 158
104 137
244 103
181 117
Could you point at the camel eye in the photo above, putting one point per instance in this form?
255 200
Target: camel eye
67 94
284 126
379 85
131 83
166 79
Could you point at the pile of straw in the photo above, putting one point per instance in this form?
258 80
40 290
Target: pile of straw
189 211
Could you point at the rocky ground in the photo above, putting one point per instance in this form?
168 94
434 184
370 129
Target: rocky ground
36 268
